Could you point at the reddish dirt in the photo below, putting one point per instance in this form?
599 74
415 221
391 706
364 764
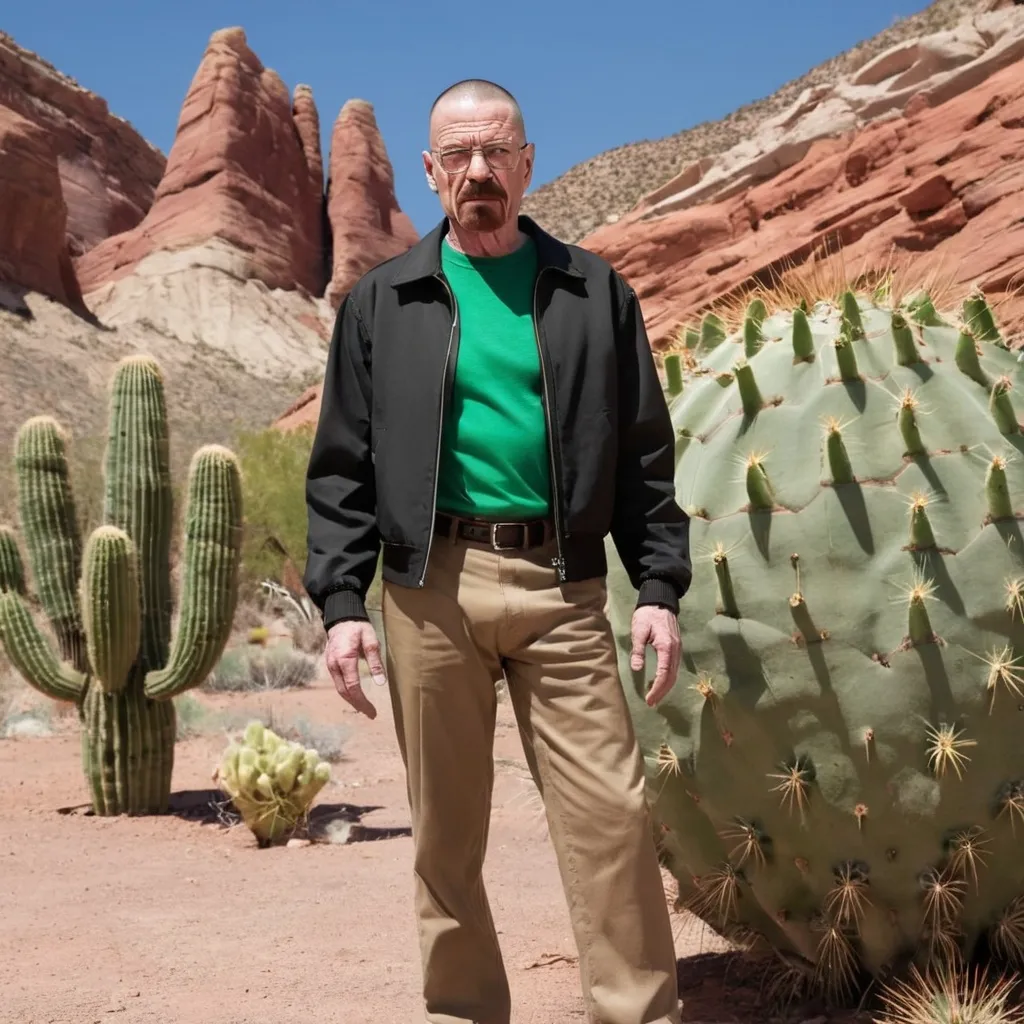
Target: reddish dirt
174 918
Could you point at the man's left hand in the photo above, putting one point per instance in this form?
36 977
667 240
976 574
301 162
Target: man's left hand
659 628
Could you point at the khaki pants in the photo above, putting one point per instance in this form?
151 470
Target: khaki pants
482 615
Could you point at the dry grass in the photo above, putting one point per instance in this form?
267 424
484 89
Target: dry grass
196 719
610 183
258 669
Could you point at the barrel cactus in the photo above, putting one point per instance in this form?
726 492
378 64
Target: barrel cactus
837 775
271 781
109 604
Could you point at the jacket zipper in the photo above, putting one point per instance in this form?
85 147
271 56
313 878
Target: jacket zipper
440 426
556 500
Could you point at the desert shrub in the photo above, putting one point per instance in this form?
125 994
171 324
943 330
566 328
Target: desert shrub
274 493
274 466
192 717
309 635
249 615
328 739
246 669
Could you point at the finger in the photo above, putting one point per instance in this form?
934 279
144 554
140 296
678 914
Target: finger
371 651
677 657
345 673
662 676
641 634
358 699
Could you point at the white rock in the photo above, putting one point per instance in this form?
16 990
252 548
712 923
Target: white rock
939 66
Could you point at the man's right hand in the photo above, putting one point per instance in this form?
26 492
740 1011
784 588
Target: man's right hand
346 642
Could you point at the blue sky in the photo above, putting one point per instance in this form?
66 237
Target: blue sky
589 75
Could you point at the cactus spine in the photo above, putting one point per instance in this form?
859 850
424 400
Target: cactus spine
837 774
110 604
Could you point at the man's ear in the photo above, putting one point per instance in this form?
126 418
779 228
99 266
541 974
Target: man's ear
428 171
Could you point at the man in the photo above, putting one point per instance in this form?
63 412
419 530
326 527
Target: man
490 412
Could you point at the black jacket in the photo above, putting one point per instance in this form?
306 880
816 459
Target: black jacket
371 481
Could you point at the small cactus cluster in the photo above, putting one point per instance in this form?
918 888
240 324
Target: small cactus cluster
838 774
271 781
109 605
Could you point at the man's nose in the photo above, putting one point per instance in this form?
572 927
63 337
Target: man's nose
479 169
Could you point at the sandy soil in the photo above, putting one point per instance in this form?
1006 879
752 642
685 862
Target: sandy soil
181 919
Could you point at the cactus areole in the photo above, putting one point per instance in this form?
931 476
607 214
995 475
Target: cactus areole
838 772
109 604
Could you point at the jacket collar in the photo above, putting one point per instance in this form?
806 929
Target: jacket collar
424 258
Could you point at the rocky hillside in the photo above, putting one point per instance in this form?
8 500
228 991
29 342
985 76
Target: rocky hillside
225 260
940 190
587 195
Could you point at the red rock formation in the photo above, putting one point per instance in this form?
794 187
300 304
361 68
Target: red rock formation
108 172
307 125
244 167
33 217
303 412
366 223
943 186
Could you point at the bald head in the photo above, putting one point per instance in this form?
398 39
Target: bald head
479 162
463 98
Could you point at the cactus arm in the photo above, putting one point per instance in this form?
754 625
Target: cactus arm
977 315
12 569
139 494
673 373
111 606
46 507
31 654
213 529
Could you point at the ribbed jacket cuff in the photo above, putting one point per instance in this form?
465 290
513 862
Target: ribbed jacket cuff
657 591
343 604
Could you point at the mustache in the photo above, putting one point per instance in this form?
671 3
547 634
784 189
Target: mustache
478 189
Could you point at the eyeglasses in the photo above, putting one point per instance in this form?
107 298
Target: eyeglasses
500 156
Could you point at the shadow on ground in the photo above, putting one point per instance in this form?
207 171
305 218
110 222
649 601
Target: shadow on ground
730 988
211 807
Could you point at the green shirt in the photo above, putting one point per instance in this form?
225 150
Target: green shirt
494 455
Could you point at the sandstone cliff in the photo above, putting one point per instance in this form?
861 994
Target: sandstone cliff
942 185
107 171
366 223
33 216
239 170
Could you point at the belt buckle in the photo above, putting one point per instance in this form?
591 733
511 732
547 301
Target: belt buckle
495 546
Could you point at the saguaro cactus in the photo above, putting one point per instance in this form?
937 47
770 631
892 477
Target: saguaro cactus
110 605
838 772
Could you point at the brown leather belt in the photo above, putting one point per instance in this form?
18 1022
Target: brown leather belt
500 536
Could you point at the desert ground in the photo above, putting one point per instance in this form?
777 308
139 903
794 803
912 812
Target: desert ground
182 918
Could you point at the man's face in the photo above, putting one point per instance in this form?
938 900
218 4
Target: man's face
478 196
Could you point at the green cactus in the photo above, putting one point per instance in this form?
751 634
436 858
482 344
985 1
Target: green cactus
110 604
673 373
272 782
838 772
